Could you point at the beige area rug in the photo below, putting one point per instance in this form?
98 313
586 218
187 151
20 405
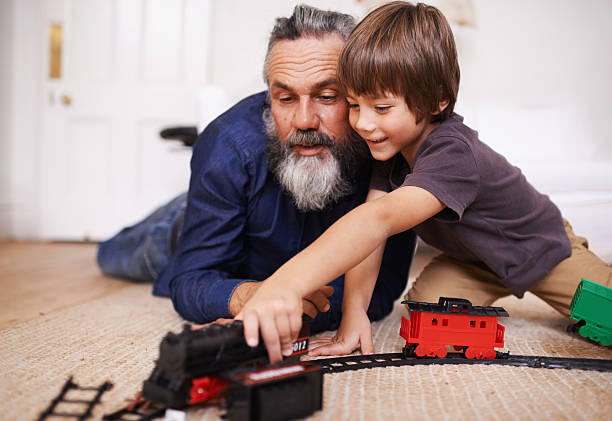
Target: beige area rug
115 338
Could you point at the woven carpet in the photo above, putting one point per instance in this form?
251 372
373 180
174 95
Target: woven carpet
115 338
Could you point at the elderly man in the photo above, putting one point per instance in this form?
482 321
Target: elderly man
268 177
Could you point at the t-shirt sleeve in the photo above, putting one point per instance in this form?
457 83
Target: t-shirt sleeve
446 168
379 179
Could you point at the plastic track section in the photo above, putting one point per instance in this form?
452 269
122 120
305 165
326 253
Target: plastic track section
62 398
359 362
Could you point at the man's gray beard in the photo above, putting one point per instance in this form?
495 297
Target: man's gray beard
313 181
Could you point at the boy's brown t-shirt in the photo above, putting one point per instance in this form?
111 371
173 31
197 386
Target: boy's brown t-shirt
493 216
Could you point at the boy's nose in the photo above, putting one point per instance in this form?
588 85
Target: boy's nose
364 124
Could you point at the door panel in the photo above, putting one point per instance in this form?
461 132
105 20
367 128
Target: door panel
129 69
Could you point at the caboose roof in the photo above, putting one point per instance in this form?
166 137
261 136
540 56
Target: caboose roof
456 306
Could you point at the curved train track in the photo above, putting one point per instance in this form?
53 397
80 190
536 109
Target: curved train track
359 362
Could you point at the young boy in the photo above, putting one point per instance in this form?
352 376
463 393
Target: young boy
497 234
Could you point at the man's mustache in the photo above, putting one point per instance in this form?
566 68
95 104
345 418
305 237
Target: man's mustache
308 138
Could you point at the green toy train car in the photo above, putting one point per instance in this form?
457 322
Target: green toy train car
591 308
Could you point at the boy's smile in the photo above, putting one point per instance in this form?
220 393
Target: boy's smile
387 125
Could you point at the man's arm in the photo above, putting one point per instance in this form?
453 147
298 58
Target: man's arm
211 244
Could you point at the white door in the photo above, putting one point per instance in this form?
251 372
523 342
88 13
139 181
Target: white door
127 69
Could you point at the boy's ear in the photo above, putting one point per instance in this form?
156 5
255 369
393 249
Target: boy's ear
441 106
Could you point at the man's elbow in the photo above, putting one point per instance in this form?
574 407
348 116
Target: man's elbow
184 304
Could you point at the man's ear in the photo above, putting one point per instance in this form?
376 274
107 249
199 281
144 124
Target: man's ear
441 106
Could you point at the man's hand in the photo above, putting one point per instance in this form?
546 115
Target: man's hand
355 331
317 301
312 304
219 321
241 295
276 311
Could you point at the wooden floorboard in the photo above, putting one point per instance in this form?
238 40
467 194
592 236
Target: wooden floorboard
36 278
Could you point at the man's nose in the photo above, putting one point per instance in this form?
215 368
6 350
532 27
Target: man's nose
305 116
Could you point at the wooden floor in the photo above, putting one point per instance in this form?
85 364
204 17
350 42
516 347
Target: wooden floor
37 278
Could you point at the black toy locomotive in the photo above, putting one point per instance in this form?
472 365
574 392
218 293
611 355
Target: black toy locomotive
215 363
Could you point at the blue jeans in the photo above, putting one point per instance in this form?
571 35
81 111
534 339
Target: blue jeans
142 251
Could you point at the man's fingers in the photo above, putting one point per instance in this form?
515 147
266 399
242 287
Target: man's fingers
327 290
319 300
219 321
309 308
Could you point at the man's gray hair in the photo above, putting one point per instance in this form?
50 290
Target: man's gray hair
307 21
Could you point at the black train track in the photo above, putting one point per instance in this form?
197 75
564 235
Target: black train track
359 362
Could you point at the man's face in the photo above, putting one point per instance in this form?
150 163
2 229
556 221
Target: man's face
304 94
311 148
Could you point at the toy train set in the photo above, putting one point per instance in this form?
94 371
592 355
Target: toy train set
203 365
591 308
452 321
215 365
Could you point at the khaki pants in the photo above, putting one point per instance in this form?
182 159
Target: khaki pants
448 277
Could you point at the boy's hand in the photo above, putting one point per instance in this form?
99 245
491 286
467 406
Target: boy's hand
276 311
355 331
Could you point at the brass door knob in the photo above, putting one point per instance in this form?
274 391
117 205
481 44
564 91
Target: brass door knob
66 99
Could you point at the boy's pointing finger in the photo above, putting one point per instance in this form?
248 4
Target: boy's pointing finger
251 328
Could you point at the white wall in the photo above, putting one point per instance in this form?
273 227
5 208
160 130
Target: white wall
6 34
547 64
25 67
535 83
240 32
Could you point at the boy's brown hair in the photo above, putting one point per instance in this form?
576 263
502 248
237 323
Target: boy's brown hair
405 50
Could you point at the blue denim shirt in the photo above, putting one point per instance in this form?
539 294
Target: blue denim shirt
241 226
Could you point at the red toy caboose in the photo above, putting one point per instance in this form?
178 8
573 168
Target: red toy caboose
452 321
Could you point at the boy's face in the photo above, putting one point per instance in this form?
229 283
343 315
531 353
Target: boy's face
387 125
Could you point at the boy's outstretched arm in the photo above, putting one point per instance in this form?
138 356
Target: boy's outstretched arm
276 307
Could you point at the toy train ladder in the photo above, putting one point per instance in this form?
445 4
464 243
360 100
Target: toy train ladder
69 385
